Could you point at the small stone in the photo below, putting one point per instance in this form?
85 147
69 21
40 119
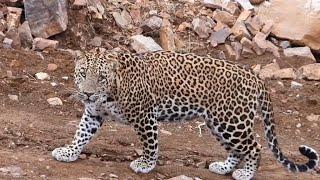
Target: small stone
165 132
13 97
25 35
55 101
52 67
287 73
181 177
260 42
53 84
7 43
201 27
246 52
143 44
80 3
42 76
152 24
221 55
237 48
285 44
13 17
224 17
183 26
219 37
300 52
96 41
310 72
253 24
246 5
66 78
298 125
246 42
3 25
255 2
113 176
267 27
239 30
2 36
256 68
123 19
313 118
167 36
139 152
296 85
230 52
268 70
41 44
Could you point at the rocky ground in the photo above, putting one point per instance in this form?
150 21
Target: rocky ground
36 70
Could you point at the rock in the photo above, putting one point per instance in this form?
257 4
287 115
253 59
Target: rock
287 73
299 23
230 52
3 25
167 36
135 14
52 67
14 171
79 3
183 26
165 132
246 5
13 97
123 19
296 85
269 70
215 4
221 55
14 35
25 35
139 152
2 36
300 52
55 101
285 44
154 23
237 48
310 72
255 2
239 28
96 9
143 44
246 42
256 68
224 17
254 25
96 41
267 28
246 52
260 44
313 118
219 37
181 177
201 27
7 43
13 17
42 76
46 18
41 44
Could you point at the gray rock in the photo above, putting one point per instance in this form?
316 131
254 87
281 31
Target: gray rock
142 44
46 18
300 52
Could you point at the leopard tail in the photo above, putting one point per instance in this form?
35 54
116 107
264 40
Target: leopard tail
269 128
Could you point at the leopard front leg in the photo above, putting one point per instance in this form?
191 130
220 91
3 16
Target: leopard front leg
88 126
148 131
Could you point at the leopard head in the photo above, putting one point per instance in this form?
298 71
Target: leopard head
95 75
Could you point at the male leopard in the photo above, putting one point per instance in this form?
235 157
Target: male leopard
143 89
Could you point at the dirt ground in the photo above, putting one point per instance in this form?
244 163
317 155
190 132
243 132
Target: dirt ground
31 128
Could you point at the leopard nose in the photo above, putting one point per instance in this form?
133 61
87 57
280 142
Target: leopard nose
88 94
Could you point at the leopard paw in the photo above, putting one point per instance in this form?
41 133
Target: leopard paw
220 168
141 166
65 154
242 174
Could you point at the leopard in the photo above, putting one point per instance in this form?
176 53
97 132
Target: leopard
145 89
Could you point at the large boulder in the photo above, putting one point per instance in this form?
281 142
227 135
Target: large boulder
296 20
46 18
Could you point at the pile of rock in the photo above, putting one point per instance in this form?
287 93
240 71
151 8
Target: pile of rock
43 19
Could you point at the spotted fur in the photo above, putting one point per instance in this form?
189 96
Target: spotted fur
142 89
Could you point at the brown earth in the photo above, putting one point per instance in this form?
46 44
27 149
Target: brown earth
31 128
